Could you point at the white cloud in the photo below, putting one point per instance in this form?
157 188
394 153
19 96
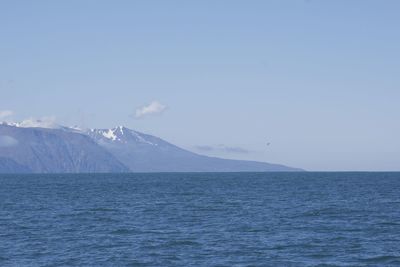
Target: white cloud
223 148
154 107
44 122
5 113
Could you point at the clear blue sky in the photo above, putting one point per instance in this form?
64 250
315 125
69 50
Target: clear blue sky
319 80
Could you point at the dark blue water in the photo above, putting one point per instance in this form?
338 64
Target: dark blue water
247 219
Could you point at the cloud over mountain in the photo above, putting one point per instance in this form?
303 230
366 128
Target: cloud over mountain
44 122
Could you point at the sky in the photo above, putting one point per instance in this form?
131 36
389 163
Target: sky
310 84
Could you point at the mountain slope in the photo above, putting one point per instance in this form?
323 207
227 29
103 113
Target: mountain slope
145 153
42 150
10 166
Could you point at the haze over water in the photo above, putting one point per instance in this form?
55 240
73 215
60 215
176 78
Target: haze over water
200 219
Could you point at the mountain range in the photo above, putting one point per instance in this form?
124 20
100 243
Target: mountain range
69 150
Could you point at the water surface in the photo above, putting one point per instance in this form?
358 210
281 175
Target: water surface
200 219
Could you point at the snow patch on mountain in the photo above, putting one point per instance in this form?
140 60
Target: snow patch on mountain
110 135
120 134
141 139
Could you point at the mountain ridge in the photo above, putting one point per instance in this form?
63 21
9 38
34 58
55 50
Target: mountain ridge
118 149
44 150
136 150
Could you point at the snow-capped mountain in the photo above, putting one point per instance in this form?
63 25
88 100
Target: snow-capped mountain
53 148
48 150
123 135
146 153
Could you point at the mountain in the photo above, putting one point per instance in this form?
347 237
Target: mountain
44 150
10 166
35 147
146 153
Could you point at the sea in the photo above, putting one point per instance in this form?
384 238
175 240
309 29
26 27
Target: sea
200 219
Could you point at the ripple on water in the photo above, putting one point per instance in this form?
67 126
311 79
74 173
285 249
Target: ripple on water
275 219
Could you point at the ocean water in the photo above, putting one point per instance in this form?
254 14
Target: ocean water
200 219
